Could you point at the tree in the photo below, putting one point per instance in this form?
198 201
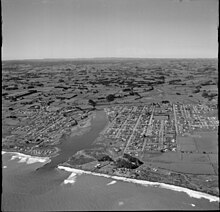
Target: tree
110 97
104 157
93 103
205 94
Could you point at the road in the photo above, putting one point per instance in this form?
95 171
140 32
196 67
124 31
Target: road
174 112
148 129
161 134
125 122
129 140
113 121
198 117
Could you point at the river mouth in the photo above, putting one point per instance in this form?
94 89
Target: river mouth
70 145
26 189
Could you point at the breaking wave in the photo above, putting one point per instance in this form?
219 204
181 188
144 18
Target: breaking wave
28 158
71 179
191 193
112 182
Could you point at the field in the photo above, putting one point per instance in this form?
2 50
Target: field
202 156
42 100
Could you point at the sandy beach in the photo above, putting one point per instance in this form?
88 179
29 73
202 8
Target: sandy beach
191 193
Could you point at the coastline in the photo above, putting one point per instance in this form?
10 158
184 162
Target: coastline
189 192
29 159
76 131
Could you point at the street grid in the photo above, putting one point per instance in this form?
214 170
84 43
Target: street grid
155 127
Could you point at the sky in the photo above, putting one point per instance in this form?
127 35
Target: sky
37 29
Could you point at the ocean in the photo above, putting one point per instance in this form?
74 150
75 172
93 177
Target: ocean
30 184
25 189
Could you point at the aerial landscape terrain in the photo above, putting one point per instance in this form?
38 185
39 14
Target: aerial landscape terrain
162 116
110 105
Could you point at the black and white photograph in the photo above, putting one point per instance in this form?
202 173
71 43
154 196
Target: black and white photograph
110 105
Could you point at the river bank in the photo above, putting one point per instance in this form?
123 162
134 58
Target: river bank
191 193
83 127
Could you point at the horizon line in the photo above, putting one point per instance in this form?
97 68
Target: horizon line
93 58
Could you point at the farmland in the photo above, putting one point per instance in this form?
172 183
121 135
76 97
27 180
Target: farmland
162 115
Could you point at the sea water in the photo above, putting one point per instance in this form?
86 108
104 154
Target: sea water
40 186
25 189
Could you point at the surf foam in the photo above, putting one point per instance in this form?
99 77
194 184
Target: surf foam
71 179
28 158
112 182
191 193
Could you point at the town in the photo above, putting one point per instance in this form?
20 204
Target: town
158 124
110 105
155 127
42 129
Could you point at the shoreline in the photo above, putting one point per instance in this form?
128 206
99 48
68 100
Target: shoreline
29 159
189 192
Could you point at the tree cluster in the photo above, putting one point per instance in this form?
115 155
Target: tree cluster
129 162
110 98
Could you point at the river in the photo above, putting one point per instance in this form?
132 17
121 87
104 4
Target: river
41 187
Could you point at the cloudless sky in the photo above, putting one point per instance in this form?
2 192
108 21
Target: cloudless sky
35 29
